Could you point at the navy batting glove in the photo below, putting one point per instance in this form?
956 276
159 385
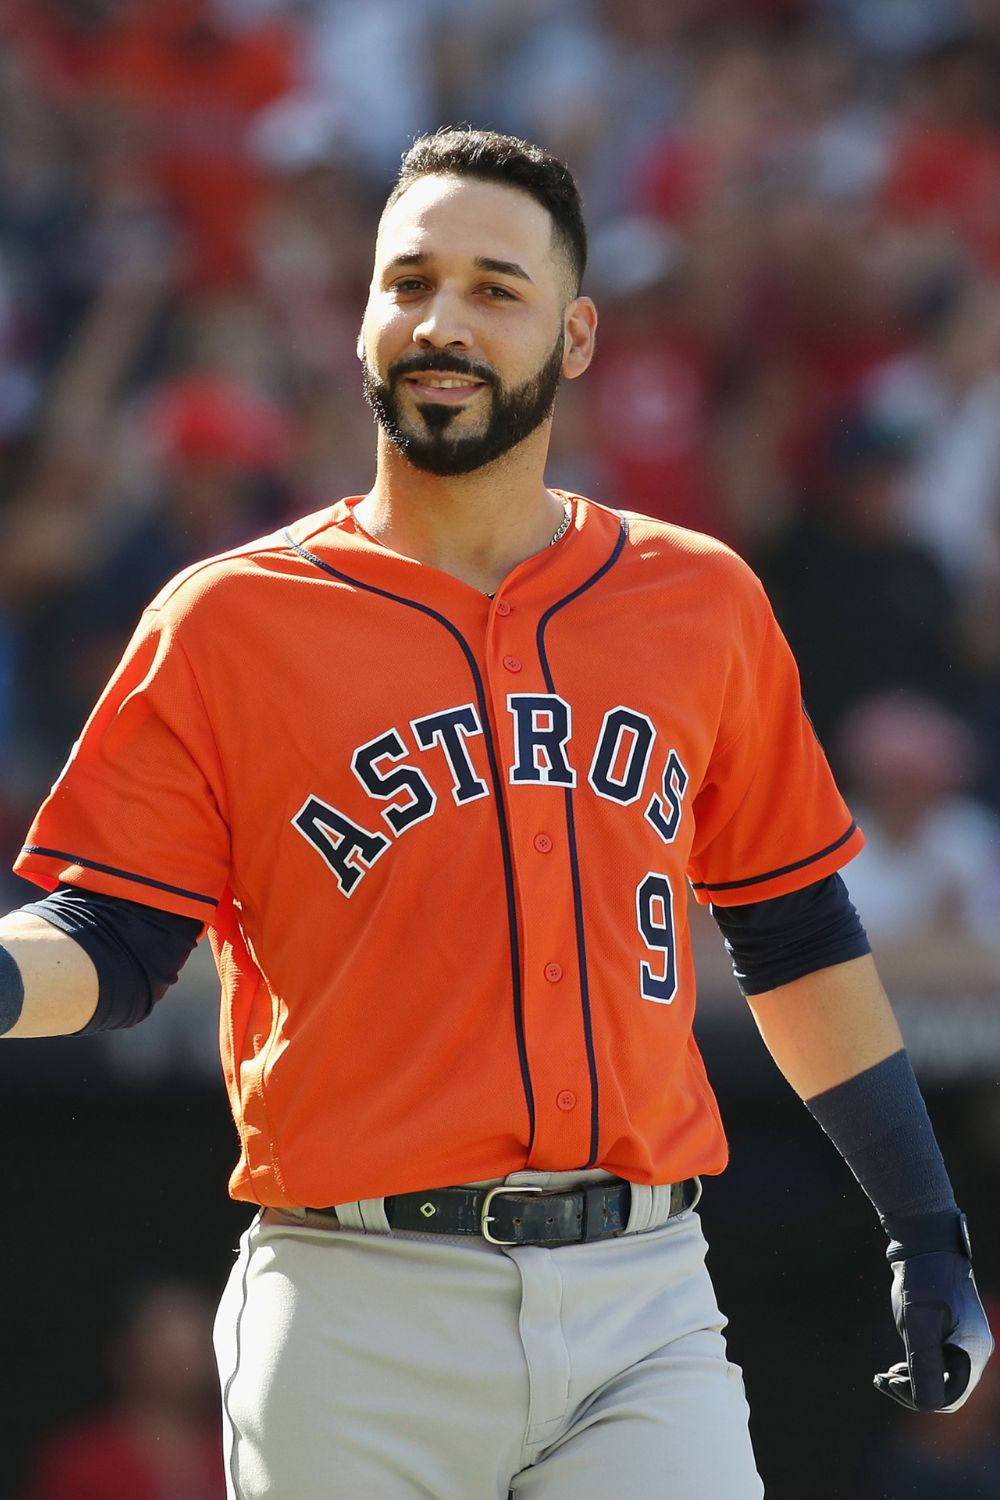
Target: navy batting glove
941 1322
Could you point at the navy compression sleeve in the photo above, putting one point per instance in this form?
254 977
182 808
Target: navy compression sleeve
138 951
878 1122
773 942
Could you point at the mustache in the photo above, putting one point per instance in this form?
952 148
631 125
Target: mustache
440 362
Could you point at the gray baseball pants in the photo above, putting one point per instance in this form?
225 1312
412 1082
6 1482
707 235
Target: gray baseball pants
418 1367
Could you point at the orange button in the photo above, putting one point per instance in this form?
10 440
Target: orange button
566 1099
512 663
553 973
502 607
542 843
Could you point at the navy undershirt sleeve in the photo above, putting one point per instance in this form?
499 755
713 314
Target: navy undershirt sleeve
773 942
138 951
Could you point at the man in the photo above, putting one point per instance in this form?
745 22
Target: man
434 766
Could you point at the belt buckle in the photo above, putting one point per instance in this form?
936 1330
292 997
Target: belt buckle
485 1217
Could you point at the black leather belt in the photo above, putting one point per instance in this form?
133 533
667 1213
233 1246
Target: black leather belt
513 1214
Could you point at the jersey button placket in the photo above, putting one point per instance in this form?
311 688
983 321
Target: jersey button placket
553 1025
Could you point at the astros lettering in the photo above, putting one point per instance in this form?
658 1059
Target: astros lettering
618 771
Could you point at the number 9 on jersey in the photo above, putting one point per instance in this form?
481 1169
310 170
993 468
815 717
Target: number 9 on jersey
654 904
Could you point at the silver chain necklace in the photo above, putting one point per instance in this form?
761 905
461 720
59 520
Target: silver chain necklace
563 526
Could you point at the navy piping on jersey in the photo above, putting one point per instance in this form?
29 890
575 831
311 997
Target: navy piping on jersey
800 864
574 861
501 814
90 864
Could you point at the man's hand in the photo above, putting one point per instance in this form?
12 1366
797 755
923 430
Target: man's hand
944 1331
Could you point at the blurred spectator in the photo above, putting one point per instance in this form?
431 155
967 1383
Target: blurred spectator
651 390
20 387
982 641
65 41
162 1440
944 177
928 879
311 243
312 232
733 122
840 133
221 452
189 83
945 392
377 64
864 609
901 27
213 420
42 220
769 175
593 79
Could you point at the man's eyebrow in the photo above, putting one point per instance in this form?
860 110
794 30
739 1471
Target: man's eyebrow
481 262
408 258
502 267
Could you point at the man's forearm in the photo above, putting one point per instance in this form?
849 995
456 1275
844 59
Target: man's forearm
834 1036
57 981
827 1026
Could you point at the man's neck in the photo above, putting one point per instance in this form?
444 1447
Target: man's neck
477 527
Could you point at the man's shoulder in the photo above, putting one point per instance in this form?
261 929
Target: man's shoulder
263 558
651 541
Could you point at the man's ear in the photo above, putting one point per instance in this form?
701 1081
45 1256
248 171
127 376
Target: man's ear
580 333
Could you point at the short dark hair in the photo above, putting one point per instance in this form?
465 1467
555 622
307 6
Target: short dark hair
460 151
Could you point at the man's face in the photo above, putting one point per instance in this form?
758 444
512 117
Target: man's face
463 340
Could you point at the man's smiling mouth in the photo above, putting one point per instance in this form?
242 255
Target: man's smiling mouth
453 388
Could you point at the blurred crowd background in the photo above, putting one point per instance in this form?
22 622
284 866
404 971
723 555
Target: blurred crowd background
794 209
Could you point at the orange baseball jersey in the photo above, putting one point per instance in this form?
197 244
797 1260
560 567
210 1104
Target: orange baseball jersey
442 842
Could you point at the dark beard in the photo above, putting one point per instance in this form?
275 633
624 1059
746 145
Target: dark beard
514 414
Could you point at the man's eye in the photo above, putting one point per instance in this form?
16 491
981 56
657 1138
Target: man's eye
408 284
500 293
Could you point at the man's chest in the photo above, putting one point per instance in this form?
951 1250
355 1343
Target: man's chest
388 729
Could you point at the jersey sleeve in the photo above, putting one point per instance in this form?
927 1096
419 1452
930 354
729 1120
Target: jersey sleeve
140 808
769 818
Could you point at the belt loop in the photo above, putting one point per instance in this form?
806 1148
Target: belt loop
661 1199
651 1206
349 1216
366 1215
640 1214
373 1216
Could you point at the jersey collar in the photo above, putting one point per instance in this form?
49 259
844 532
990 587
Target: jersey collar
592 542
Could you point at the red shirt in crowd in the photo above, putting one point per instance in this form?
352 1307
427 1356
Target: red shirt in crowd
106 1458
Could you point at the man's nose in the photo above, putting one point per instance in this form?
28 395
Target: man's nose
443 325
